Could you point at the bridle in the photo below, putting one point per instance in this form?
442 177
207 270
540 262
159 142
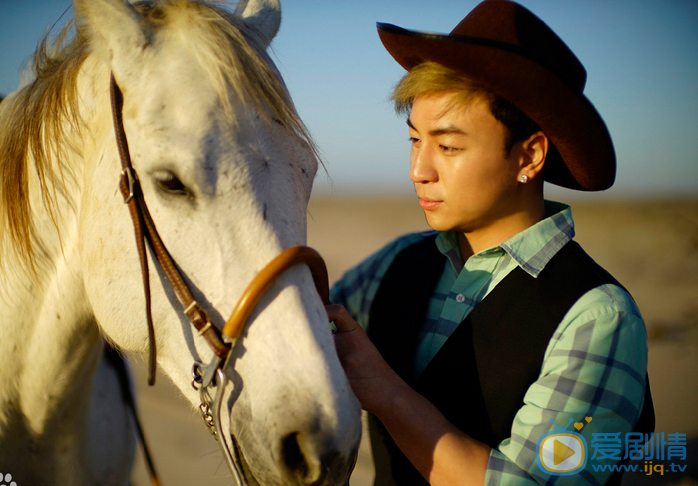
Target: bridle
206 378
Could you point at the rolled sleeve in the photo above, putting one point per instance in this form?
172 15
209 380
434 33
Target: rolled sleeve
595 366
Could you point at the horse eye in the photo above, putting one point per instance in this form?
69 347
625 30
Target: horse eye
169 182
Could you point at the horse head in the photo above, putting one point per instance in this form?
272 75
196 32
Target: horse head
226 168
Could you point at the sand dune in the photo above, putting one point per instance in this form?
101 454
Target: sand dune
650 246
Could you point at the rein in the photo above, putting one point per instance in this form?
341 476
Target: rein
206 377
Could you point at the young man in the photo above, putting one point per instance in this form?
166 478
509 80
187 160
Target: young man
480 333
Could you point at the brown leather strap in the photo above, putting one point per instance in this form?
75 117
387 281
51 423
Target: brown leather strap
196 314
145 230
285 260
131 192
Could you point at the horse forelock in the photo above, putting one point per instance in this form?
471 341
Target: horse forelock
35 119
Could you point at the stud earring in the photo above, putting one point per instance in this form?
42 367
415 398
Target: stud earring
523 179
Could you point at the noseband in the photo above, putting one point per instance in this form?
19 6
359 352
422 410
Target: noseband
211 376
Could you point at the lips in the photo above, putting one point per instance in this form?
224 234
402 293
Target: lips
428 204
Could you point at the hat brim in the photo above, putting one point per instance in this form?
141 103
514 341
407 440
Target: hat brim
582 158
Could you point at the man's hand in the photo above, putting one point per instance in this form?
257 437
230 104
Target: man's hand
370 377
444 455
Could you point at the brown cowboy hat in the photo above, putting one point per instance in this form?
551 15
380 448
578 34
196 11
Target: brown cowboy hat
505 47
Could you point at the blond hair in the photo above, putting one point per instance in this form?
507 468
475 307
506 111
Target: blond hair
431 78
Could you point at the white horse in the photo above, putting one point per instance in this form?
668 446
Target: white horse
226 168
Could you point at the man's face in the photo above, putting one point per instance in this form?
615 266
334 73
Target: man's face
464 179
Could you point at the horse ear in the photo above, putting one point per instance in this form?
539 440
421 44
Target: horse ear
114 27
263 15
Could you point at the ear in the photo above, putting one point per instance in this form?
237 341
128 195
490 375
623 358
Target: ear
533 152
116 30
263 15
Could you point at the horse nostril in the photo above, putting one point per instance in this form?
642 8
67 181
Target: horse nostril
292 454
300 459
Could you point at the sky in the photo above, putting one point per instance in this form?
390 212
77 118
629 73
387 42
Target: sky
641 58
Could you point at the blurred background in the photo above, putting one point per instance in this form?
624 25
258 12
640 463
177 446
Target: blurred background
641 58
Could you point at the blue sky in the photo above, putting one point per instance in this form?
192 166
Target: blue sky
641 58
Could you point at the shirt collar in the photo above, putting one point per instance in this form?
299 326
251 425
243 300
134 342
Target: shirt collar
532 248
447 243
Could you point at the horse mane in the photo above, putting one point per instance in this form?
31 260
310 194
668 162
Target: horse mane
36 118
32 122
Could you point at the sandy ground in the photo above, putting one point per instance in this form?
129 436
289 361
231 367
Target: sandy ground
650 246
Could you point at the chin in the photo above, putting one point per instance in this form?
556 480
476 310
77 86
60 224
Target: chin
438 223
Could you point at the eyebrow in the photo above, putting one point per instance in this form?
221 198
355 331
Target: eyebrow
448 129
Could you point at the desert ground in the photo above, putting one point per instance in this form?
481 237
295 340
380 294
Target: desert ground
649 246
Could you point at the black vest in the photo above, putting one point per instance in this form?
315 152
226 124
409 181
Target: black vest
479 377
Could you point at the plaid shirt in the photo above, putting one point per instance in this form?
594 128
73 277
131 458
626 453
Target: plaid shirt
594 365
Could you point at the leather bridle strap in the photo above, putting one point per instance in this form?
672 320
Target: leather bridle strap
263 280
145 230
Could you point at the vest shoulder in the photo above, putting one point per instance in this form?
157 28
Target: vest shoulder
403 245
572 261
410 239
359 283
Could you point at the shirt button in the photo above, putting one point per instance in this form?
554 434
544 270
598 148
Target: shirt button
460 298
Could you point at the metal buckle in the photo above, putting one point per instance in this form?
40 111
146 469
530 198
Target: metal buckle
132 178
195 306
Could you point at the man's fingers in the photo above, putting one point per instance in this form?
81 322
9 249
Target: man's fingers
342 320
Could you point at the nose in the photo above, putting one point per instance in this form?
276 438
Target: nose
422 169
309 465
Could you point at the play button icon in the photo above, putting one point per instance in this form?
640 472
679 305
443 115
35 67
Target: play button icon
561 452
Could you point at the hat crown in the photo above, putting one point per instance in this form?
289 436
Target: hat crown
515 28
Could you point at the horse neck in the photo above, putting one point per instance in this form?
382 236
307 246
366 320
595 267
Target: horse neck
51 344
